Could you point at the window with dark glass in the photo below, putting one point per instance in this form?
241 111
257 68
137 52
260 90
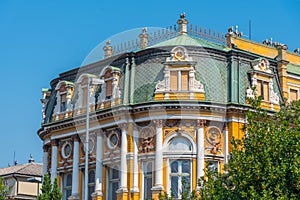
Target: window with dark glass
67 186
213 166
91 183
148 180
180 176
108 84
114 182
63 104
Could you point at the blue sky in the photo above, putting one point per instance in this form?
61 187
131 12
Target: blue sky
40 39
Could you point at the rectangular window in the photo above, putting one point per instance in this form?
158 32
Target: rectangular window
266 91
84 97
262 89
67 183
91 183
213 166
184 80
293 95
114 179
63 105
108 89
148 180
259 88
174 80
180 177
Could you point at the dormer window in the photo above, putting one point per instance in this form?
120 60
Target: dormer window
110 91
63 105
82 89
262 80
179 77
179 80
108 82
64 91
262 89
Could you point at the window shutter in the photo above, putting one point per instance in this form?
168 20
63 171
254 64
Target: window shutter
293 95
84 97
108 88
266 91
63 98
185 80
174 80
258 88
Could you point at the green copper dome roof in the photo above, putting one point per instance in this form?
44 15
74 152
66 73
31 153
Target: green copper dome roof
186 40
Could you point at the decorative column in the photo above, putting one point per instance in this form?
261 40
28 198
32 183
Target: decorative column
226 154
45 160
200 150
97 195
53 160
75 173
135 187
158 187
122 191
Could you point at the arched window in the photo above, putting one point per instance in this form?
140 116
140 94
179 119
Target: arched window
180 144
64 91
180 152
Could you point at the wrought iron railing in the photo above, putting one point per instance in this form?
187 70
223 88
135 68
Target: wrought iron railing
160 35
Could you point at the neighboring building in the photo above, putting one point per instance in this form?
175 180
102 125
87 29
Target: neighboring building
24 180
163 111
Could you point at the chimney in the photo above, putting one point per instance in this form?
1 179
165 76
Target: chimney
144 39
182 23
31 160
108 50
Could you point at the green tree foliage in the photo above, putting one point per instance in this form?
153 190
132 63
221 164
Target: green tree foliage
4 190
265 164
56 193
49 191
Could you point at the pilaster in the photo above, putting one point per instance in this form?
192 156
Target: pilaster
200 150
158 187
54 160
75 172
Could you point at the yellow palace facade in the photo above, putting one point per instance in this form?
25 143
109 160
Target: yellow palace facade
164 108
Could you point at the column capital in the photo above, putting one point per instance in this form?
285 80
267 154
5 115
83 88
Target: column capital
201 123
158 123
54 142
46 148
99 132
225 126
75 138
123 126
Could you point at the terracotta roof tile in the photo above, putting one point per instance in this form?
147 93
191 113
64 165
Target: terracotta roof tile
26 169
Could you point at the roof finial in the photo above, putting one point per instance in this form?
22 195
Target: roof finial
144 38
31 160
182 23
108 50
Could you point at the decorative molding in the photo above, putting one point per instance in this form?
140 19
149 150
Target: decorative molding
147 140
158 123
201 123
54 142
179 61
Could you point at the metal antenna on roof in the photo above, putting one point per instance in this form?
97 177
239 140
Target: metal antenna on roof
14 158
250 30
